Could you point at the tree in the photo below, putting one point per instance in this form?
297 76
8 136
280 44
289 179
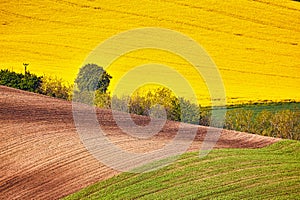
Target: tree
92 77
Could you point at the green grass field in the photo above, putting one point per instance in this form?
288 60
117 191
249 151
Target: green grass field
269 173
272 106
259 107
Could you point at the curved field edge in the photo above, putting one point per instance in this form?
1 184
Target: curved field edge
41 151
270 172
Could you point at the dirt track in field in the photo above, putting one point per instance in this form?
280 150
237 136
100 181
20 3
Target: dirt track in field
42 156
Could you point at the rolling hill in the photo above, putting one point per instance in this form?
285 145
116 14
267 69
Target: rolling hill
272 172
42 156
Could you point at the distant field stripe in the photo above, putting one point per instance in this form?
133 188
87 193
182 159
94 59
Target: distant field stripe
35 18
54 21
258 73
148 16
275 5
175 21
235 16
45 44
36 53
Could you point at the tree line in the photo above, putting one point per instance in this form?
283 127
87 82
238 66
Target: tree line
46 85
91 86
283 124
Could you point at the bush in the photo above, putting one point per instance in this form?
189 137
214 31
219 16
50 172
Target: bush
102 100
286 124
282 124
205 116
190 113
141 102
263 124
56 87
154 101
47 85
240 120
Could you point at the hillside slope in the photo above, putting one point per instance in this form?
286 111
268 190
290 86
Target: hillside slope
268 173
42 156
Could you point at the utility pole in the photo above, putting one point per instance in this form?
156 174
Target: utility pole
25 66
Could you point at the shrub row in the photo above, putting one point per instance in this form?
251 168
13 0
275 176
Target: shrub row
153 102
27 81
160 101
47 85
283 123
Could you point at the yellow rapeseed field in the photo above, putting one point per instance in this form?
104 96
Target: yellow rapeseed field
254 43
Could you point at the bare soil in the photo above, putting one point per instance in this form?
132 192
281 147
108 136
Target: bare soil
42 156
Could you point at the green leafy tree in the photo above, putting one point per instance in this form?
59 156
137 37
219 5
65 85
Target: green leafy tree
92 77
91 86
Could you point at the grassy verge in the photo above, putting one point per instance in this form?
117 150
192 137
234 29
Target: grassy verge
270 106
268 173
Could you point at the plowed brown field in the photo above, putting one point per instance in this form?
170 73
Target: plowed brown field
42 156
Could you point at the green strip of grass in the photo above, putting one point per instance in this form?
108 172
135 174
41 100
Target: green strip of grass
268 173
259 107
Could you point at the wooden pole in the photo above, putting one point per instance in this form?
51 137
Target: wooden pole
25 66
